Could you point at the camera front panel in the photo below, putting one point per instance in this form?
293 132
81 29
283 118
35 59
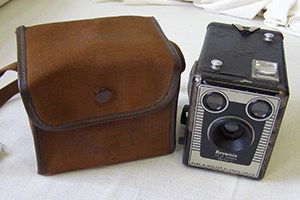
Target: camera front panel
231 129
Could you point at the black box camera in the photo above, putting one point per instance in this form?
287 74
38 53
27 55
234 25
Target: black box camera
238 93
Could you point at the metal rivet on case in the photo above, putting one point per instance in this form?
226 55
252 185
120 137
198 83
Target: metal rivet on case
216 64
103 95
269 37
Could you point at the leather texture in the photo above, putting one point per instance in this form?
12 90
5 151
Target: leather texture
107 143
60 77
12 88
99 91
237 49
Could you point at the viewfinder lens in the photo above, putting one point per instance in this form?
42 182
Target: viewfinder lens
214 101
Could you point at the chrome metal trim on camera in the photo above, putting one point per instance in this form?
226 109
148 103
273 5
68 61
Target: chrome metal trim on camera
265 70
197 132
269 37
195 81
216 64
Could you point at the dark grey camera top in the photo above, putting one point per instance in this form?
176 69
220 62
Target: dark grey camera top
243 56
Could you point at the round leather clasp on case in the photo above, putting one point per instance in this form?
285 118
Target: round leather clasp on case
103 95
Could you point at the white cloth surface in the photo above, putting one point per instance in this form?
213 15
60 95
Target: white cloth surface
294 23
245 9
143 2
284 16
161 178
279 14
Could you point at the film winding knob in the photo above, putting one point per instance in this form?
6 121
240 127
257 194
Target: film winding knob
216 64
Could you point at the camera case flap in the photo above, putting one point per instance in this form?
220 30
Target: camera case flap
97 91
238 92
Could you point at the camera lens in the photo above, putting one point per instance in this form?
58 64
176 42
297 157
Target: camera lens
231 133
214 101
231 130
260 109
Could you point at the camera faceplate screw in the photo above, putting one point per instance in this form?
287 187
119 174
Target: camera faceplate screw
269 37
216 64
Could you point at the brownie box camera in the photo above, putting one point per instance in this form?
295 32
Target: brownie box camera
238 92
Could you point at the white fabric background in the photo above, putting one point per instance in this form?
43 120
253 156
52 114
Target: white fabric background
277 14
163 177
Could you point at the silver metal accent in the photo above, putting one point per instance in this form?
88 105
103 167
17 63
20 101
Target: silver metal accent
252 170
193 100
197 78
193 77
269 37
242 29
253 29
239 27
264 141
216 64
265 70
197 131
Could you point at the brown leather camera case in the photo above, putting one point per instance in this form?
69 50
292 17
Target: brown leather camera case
99 92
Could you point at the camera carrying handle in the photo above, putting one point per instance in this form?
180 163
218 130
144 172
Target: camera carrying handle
11 89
